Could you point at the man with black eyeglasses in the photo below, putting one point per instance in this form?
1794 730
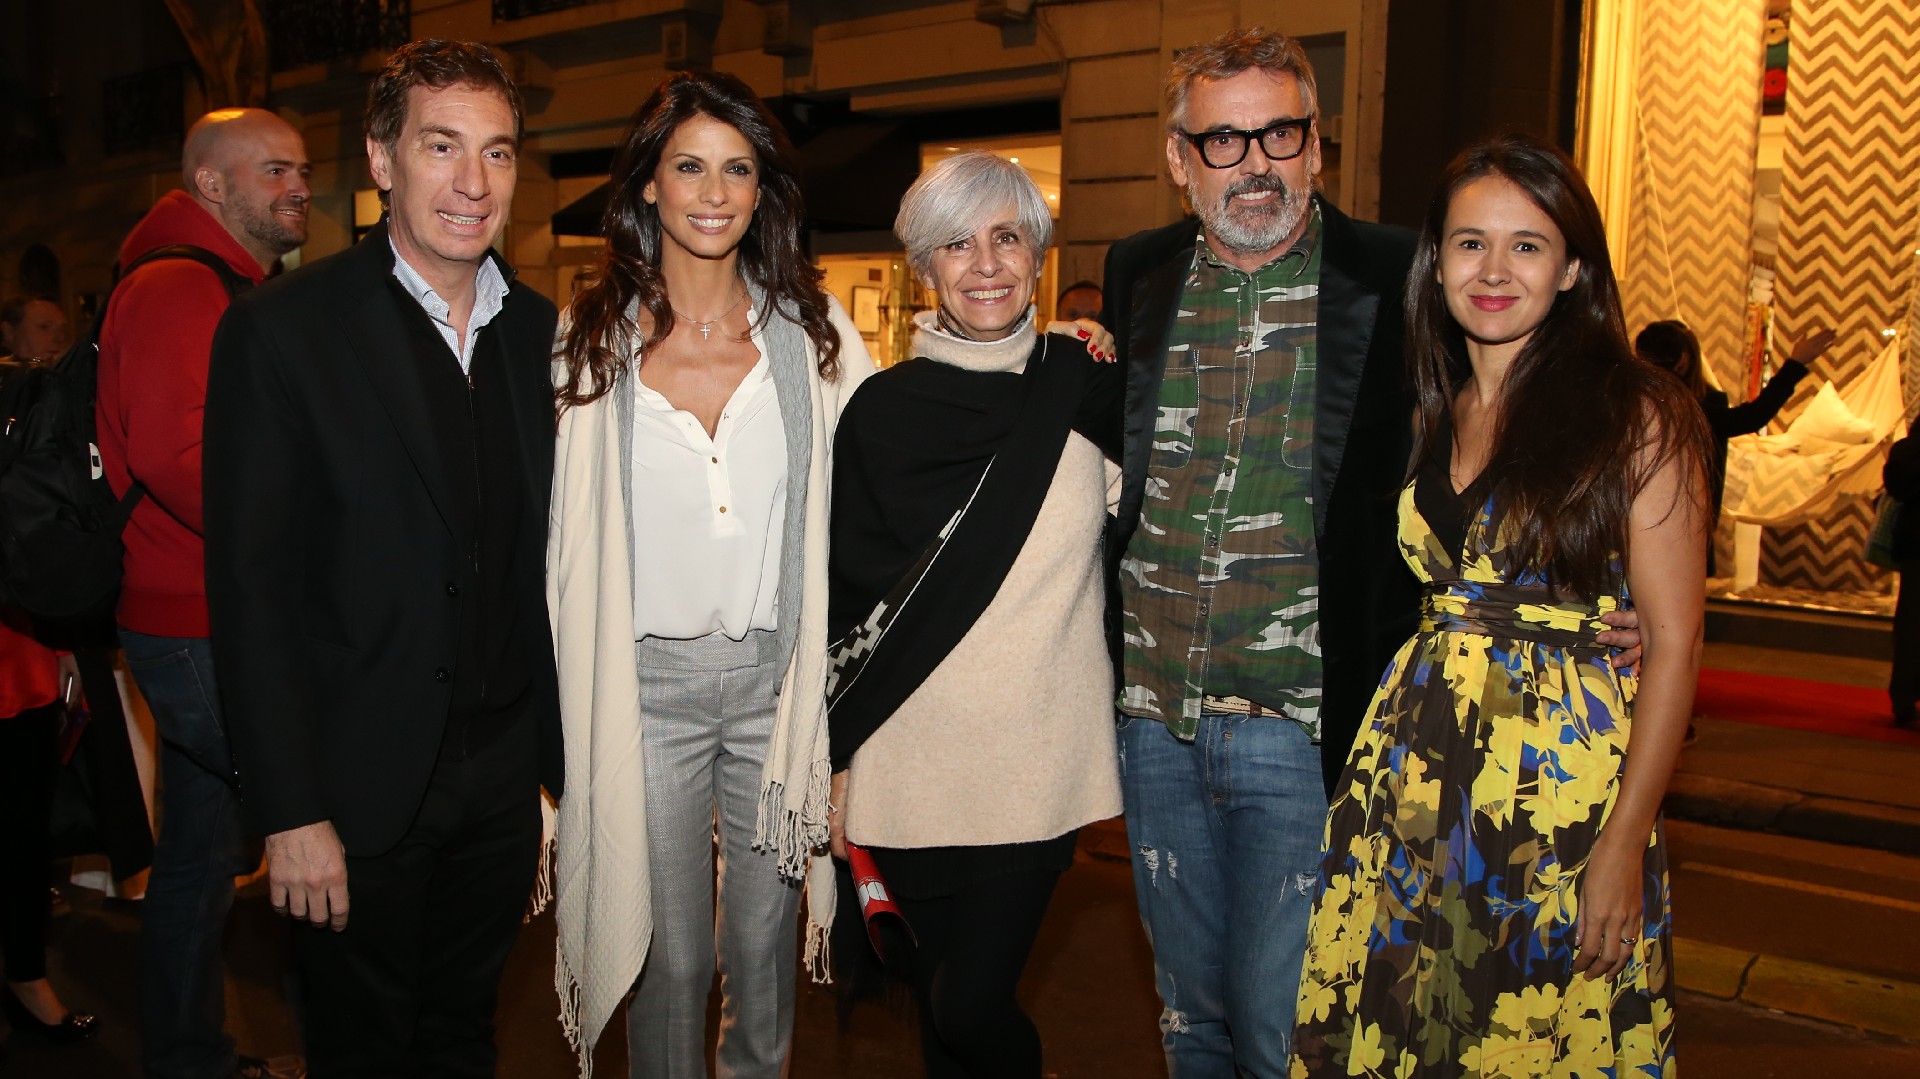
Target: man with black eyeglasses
1259 594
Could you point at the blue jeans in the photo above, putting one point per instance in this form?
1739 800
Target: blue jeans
1226 837
199 851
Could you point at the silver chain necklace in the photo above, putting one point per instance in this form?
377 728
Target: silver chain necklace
706 328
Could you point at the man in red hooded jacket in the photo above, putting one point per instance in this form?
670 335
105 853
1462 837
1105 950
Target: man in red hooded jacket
245 201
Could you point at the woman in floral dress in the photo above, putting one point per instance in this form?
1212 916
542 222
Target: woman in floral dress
1494 892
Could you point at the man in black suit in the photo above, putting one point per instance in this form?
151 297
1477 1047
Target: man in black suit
379 447
1259 593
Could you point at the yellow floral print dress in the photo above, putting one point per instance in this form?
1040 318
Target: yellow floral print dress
1442 935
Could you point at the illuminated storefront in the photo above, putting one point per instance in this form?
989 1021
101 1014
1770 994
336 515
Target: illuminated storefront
1758 163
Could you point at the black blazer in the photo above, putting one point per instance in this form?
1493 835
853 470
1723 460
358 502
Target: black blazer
1727 420
1363 436
332 549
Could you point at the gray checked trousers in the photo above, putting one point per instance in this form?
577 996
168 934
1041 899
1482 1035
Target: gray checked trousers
707 709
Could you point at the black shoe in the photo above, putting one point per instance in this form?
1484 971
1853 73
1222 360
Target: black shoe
288 1067
72 1029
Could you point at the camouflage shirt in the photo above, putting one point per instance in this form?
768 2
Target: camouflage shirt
1221 582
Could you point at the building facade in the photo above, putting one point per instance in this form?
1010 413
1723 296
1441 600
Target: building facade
872 90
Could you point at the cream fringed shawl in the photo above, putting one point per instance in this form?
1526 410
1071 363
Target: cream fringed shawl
602 897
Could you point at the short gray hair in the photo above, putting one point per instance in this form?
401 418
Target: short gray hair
954 198
1230 54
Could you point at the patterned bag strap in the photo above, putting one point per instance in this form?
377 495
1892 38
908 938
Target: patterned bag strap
847 657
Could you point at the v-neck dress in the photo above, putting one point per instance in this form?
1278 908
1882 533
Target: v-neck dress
1442 935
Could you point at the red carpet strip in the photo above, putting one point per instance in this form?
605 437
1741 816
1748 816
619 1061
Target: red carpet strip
1851 711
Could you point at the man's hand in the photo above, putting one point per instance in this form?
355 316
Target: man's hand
837 815
307 875
1625 635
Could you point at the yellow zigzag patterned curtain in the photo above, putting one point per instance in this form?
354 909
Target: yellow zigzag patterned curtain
1669 117
1670 120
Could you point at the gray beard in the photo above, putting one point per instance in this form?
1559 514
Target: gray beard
1253 229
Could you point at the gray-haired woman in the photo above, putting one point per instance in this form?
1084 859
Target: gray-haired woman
970 702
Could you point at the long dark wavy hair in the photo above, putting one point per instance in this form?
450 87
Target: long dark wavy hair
771 257
1583 423
1670 344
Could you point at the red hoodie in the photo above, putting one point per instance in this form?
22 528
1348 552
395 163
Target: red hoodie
154 347
29 673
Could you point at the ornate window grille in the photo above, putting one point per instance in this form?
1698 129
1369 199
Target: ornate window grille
520 9
29 131
144 109
308 31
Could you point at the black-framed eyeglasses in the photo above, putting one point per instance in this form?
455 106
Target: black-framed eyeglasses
1226 148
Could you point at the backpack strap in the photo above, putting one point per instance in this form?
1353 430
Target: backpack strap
235 282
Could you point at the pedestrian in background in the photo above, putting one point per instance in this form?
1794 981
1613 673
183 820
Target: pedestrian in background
1672 345
31 713
1077 301
244 205
33 329
1901 477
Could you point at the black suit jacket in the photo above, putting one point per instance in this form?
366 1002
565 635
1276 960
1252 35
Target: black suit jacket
333 544
1362 440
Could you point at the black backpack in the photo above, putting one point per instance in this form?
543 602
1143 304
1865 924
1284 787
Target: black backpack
60 524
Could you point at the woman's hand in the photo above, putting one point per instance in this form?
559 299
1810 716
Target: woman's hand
1808 348
1667 548
837 815
1099 341
1610 921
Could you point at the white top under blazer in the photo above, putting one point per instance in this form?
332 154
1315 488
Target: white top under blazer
708 512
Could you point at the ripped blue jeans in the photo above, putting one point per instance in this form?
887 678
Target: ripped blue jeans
1225 833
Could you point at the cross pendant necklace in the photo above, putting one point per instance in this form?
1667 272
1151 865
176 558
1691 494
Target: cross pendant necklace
706 328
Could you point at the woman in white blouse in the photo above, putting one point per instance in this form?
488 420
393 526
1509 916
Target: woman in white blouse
700 376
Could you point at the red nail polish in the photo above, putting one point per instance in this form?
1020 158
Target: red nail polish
1083 334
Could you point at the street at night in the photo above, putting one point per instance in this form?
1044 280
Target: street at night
1286 538
1785 943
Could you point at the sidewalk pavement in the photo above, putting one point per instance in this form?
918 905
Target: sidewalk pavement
1807 784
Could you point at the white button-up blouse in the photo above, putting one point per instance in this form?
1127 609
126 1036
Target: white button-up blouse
708 512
